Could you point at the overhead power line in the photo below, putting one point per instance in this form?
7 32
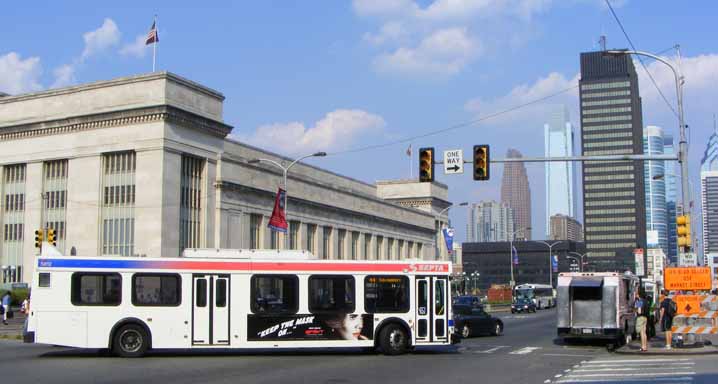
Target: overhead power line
615 16
454 127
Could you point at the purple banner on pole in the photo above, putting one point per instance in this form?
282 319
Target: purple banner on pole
554 263
514 255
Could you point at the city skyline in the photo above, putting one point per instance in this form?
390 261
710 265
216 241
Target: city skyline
655 187
490 221
516 192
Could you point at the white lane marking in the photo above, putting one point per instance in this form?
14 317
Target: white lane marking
591 369
648 365
675 380
566 355
557 376
646 374
631 361
547 381
524 350
492 350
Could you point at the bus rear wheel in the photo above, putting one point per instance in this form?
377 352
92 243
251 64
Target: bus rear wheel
393 340
131 340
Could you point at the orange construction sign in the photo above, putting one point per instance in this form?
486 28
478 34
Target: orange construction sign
688 304
687 279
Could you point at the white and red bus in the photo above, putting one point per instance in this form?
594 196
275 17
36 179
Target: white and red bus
216 298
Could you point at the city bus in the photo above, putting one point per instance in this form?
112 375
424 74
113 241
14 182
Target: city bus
221 298
543 295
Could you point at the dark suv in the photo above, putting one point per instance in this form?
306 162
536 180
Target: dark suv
523 304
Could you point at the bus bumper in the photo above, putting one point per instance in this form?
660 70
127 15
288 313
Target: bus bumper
28 337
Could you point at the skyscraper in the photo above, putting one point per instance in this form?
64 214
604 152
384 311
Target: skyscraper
558 142
613 192
515 192
655 181
671 179
490 221
709 196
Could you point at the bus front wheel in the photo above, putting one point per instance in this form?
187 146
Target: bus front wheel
393 340
130 341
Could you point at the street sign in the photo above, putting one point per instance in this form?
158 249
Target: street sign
688 304
687 278
454 161
640 267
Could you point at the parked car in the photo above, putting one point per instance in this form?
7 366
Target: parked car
470 321
471 301
523 304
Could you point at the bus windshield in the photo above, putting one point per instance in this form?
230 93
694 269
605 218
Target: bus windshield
527 293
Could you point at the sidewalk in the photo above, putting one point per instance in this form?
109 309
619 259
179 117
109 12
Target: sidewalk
656 346
13 329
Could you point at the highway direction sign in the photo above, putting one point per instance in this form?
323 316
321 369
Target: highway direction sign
454 161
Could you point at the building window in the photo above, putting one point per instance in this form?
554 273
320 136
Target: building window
311 238
378 248
54 194
401 250
326 242
274 294
607 118
420 251
367 247
156 289
609 85
355 246
96 289
390 252
341 242
118 203
293 235
13 219
273 239
190 202
255 224
331 294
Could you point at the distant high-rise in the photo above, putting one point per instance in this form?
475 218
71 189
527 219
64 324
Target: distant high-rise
655 181
558 142
489 221
614 202
709 196
565 228
515 192
671 179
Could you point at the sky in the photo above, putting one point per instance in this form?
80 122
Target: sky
341 76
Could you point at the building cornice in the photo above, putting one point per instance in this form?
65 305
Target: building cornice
160 113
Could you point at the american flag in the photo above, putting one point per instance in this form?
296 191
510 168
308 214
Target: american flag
152 36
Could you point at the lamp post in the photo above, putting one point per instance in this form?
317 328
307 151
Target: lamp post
682 144
511 254
550 255
581 256
474 281
285 170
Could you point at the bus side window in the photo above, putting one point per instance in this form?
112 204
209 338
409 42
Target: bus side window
331 294
156 289
386 294
44 279
274 294
96 288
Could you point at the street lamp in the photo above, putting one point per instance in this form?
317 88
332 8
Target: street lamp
581 255
550 255
441 228
682 144
285 170
474 281
511 253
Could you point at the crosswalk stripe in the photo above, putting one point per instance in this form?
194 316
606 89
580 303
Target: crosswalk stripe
640 365
632 361
672 380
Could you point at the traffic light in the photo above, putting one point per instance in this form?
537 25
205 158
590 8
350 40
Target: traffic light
51 237
38 238
426 165
683 230
481 162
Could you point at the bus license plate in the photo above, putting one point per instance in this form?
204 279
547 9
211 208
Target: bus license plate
587 330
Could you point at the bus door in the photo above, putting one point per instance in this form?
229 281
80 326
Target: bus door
432 309
210 310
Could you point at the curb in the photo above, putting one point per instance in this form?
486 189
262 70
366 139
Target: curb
625 350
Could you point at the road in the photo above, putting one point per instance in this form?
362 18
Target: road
526 353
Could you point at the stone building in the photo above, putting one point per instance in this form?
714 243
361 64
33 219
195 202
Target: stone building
565 228
142 165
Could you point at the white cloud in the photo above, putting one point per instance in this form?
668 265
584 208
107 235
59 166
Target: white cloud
336 131
138 48
18 75
444 52
100 39
390 32
64 76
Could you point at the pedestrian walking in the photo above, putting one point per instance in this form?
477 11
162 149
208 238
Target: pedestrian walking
668 311
642 307
5 306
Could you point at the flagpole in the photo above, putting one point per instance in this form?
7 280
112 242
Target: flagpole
154 46
411 160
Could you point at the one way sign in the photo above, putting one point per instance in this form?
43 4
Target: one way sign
454 161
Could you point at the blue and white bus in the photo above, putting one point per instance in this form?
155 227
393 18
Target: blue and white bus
543 295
